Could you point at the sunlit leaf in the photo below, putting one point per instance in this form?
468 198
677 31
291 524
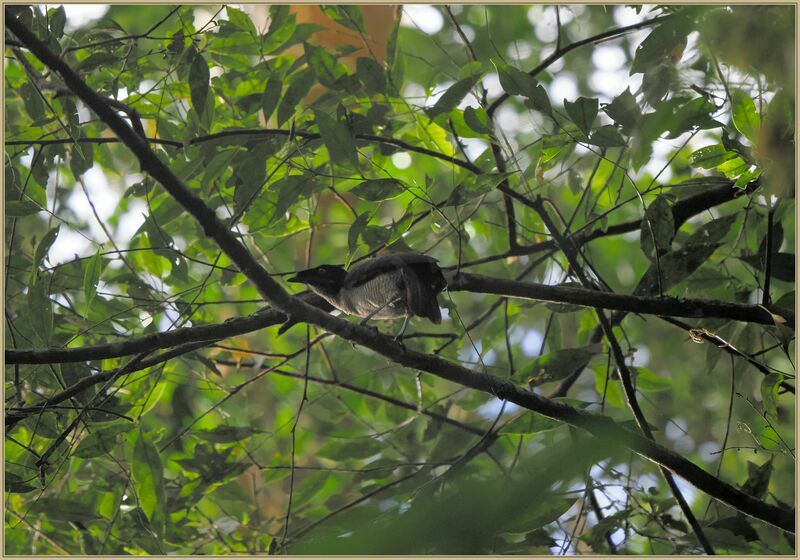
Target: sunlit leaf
745 116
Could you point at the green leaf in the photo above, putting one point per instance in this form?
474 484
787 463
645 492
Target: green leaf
148 477
452 97
538 514
90 279
738 525
355 231
517 82
747 177
348 16
57 19
477 120
82 159
291 189
711 156
745 116
607 136
733 167
466 191
657 229
376 236
15 484
558 365
250 169
758 479
282 28
310 486
781 265
327 69
660 44
607 386
376 190
297 90
348 450
18 208
657 83
692 115
539 101
217 166
646 380
40 313
786 302
608 524
530 423
95 61
434 137
514 81
44 246
371 74
675 267
582 112
228 434
241 20
272 94
102 440
337 136
713 231
177 43
199 77
624 110
769 394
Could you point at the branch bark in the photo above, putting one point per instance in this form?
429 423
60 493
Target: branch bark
669 306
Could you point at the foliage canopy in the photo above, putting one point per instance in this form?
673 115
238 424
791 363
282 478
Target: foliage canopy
609 190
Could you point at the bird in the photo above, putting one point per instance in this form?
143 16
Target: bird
387 287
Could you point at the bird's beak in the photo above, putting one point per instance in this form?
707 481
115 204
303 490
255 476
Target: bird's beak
295 280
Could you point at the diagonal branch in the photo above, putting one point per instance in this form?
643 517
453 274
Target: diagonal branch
571 252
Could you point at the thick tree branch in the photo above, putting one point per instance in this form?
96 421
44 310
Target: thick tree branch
669 306
155 341
213 227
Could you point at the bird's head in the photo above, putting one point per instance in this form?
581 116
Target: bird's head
326 279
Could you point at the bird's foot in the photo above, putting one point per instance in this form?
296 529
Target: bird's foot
365 323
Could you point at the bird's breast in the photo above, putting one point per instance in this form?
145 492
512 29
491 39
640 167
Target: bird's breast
381 295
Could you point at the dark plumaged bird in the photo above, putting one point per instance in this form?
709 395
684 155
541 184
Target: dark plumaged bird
388 287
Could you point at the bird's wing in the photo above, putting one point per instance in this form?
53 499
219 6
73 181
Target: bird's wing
420 295
366 271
